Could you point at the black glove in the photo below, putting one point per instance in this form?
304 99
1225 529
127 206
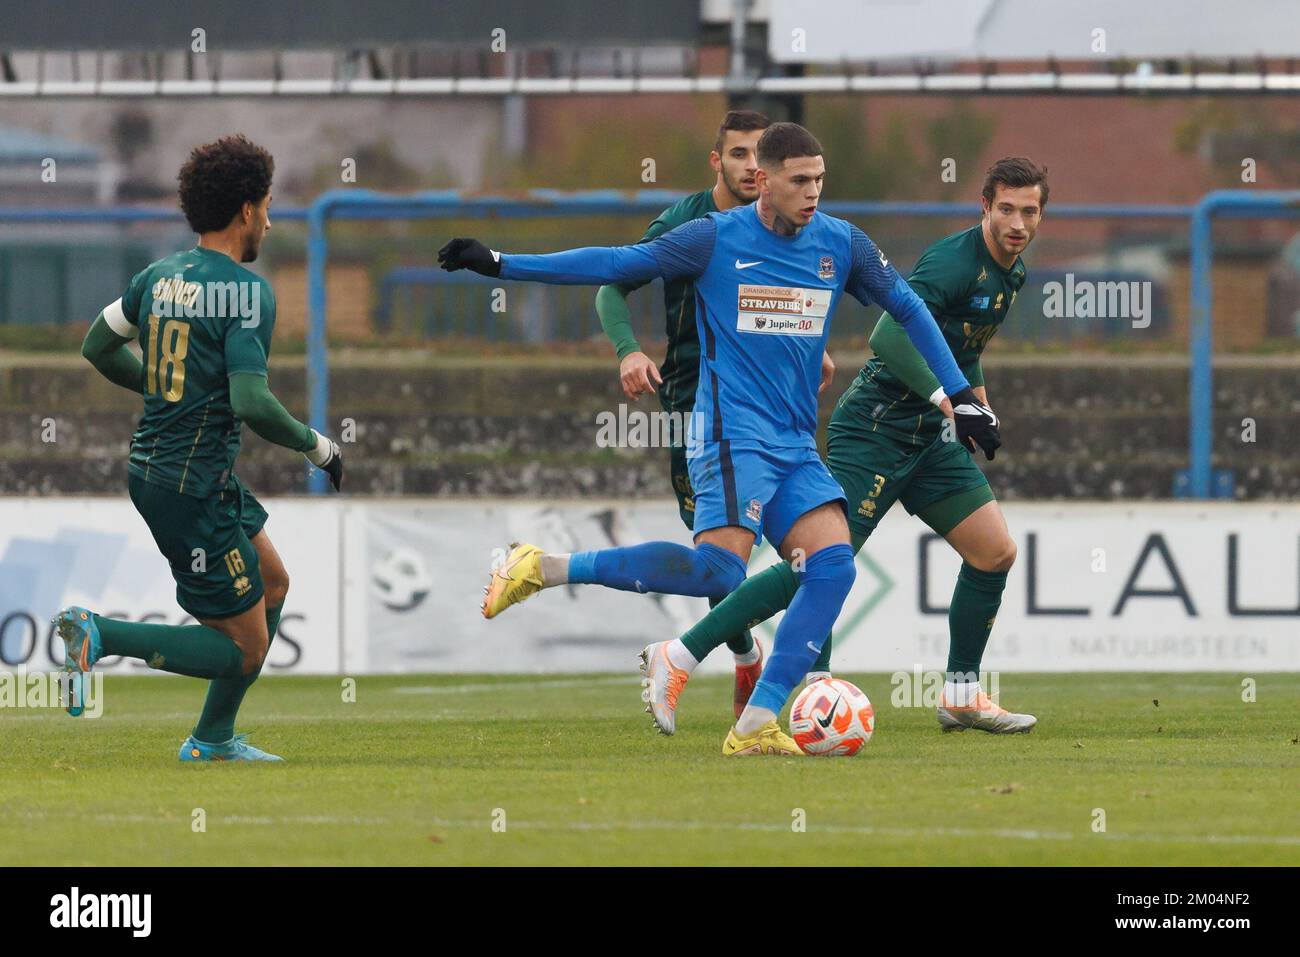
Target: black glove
327 457
469 254
976 423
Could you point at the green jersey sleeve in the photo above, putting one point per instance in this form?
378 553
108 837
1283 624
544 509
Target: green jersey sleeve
891 345
941 284
134 297
248 338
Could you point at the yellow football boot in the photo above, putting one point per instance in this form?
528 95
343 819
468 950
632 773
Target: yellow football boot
769 739
519 577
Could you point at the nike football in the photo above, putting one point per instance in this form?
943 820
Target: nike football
832 717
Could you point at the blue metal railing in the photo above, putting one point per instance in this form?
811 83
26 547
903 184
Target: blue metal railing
365 205
1240 203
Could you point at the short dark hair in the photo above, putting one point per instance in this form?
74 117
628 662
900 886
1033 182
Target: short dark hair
1014 172
219 178
783 141
742 121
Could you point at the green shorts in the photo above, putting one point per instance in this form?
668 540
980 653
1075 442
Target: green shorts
682 487
937 480
207 542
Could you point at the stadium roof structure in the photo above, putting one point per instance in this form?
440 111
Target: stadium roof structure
566 47
1017 30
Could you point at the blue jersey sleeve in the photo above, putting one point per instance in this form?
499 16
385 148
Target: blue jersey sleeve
679 253
873 279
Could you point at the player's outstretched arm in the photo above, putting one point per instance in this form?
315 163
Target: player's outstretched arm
110 353
681 252
251 399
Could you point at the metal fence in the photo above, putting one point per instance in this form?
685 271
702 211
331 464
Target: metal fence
412 297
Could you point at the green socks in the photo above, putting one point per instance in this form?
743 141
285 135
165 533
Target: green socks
741 643
975 603
225 695
758 598
823 662
194 650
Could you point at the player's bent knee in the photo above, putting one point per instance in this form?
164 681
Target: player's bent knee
251 659
275 590
834 566
252 652
725 569
999 558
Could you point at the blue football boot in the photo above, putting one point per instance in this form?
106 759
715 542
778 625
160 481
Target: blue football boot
236 749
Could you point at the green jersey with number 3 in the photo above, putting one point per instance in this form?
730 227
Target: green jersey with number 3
201 316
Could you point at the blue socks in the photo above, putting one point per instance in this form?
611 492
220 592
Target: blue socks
827 577
705 571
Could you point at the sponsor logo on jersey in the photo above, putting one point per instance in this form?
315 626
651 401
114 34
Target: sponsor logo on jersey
984 274
979 302
755 510
741 265
782 310
826 267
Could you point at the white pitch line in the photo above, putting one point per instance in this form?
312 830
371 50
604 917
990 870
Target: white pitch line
497 686
653 825
867 830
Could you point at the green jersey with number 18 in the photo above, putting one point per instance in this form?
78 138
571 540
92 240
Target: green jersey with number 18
199 316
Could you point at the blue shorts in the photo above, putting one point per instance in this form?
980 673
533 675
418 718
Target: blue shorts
763 490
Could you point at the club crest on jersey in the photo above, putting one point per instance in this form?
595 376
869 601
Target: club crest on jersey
755 510
826 267
979 302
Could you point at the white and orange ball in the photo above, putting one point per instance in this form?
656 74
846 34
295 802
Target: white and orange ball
832 717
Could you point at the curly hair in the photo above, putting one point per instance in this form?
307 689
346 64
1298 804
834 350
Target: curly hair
219 178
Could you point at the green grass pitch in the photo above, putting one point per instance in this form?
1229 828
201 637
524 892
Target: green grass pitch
419 770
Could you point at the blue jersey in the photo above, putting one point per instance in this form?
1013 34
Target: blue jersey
763 307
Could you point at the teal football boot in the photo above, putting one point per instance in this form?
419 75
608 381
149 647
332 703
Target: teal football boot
76 626
236 749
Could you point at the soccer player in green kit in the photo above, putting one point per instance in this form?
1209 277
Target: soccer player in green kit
887 442
735 161
204 325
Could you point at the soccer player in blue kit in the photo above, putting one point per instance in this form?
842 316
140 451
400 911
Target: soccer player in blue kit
767 278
